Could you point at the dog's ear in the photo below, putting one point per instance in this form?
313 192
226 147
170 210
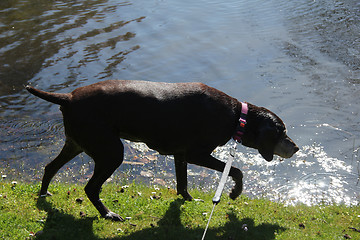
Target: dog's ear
266 143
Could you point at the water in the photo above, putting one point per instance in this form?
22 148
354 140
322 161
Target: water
298 58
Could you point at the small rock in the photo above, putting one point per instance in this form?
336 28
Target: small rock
159 181
151 157
80 200
346 236
244 227
204 174
144 160
156 197
4 176
147 174
301 225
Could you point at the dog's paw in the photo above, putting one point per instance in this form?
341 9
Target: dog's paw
236 191
186 196
47 194
114 217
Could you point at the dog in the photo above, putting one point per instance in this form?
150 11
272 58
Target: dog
187 120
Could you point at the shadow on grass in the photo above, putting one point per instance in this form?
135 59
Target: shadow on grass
60 225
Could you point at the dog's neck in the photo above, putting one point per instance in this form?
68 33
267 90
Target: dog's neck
240 129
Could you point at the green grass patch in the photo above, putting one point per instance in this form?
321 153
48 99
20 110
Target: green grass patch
158 213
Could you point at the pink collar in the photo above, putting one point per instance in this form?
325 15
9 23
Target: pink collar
240 129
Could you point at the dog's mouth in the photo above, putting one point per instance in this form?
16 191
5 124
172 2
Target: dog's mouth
287 154
286 148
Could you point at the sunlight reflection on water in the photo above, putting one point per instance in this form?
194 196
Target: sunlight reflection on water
298 58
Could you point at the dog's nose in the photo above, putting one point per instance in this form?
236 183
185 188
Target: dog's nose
296 148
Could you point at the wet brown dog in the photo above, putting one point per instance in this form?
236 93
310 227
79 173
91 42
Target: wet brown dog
187 120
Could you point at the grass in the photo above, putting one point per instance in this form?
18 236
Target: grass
160 214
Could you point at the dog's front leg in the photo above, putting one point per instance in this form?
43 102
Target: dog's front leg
209 161
181 177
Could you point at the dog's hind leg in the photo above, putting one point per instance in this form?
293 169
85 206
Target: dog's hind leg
107 159
69 151
181 177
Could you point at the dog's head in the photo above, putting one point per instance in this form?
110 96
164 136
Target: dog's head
266 132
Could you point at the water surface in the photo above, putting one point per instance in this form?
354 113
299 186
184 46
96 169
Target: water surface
298 58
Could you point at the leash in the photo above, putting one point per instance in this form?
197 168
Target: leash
237 137
220 188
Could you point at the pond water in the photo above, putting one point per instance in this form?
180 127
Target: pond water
301 59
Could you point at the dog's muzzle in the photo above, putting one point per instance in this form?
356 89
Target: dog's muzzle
286 148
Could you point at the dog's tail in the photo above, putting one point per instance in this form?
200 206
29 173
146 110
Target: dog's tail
57 98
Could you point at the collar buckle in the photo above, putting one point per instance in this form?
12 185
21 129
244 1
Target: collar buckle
240 129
